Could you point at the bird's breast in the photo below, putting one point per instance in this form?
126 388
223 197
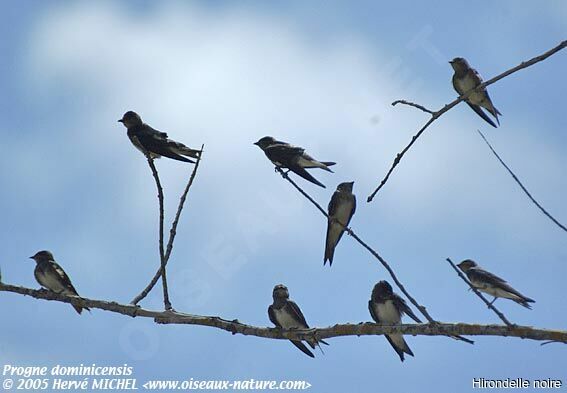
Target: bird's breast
387 312
465 84
343 212
285 319
468 83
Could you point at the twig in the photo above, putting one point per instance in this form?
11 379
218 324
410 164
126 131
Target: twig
552 342
521 185
401 154
436 114
166 302
172 233
338 330
173 230
414 105
490 305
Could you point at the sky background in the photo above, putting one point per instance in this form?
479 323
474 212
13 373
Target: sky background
320 75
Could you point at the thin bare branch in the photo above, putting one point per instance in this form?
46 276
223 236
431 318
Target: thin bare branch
338 330
172 233
166 302
173 230
540 207
436 114
489 304
552 342
420 107
400 155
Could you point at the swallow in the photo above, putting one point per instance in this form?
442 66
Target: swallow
341 209
285 314
153 143
467 78
387 308
493 285
52 277
294 158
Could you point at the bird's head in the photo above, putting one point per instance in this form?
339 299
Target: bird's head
345 187
42 256
459 64
382 290
467 264
265 142
131 119
280 292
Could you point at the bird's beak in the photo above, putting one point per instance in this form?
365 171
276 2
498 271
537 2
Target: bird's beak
31 257
255 143
120 121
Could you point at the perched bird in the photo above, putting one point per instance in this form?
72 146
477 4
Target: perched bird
52 276
493 285
467 78
285 314
387 308
154 143
341 209
294 158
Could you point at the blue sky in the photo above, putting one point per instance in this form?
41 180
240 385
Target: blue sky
318 74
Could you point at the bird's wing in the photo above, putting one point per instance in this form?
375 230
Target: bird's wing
475 76
404 308
333 204
145 129
64 278
294 308
283 152
272 316
334 230
479 112
299 170
302 348
353 208
288 157
398 350
476 274
372 313
157 142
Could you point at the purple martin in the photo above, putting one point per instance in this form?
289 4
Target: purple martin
154 143
493 285
285 314
51 276
387 308
341 209
294 158
467 78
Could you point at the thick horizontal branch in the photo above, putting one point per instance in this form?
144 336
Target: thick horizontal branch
339 330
